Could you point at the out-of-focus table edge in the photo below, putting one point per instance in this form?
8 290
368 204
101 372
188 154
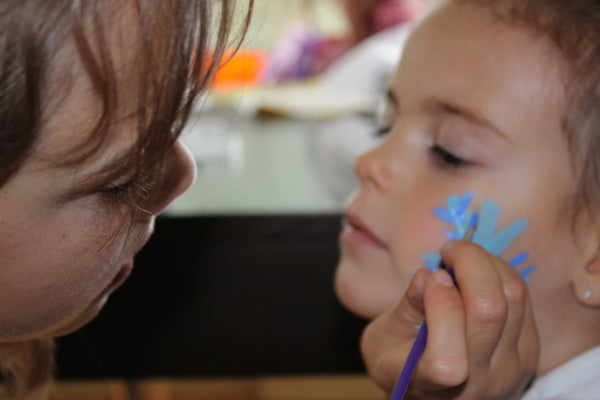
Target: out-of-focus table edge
304 387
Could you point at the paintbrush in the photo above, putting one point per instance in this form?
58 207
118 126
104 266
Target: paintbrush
420 342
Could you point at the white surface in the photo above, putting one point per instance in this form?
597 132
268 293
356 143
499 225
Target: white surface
354 84
282 165
273 166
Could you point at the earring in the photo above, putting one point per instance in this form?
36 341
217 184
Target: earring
587 294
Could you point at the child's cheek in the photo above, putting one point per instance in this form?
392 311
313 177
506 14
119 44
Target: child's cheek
417 232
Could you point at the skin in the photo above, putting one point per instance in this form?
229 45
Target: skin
68 238
462 118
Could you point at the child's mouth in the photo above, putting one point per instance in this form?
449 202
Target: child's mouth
357 233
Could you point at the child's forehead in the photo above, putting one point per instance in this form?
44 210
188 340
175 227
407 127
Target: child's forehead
76 127
81 86
103 81
466 17
73 104
461 57
466 49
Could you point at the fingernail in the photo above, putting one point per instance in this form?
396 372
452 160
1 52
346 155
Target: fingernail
442 278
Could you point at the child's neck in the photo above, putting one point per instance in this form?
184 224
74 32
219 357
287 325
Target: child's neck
577 331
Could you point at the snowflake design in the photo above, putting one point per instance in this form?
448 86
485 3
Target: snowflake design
484 224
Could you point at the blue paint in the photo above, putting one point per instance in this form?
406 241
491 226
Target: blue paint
518 259
485 223
525 273
488 221
432 261
456 214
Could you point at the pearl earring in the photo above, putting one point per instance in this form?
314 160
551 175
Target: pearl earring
587 294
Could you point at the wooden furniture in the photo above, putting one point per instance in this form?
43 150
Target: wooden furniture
338 387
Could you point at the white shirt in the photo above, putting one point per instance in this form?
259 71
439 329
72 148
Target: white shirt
577 379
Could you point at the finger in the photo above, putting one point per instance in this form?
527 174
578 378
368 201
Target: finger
410 309
386 341
445 360
515 293
520 337
517 351
482 291
529 344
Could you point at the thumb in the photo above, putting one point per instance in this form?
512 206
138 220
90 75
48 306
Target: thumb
387 340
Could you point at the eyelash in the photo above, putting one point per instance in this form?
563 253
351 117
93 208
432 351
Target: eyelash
442 156
446 158
384 130
131 193
117 194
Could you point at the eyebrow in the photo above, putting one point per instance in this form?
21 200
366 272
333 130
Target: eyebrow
455 109
465 112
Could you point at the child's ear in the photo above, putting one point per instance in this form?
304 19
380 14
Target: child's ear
585 280
586 284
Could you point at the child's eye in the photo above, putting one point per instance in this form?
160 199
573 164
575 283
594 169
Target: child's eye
117 194
384 130
132 194
446 158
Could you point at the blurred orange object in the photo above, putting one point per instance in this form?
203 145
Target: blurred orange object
243 69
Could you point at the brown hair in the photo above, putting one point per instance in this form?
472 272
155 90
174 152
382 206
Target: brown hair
181 45
25 368
574 27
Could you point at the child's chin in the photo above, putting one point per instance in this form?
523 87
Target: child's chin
354 295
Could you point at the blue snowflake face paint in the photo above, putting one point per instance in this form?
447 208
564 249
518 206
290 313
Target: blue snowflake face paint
484 224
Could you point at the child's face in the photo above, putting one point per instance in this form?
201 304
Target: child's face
65 241
475 105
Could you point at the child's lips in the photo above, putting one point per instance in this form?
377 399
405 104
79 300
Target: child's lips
356 232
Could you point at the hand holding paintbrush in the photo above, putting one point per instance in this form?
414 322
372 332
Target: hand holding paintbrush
468 341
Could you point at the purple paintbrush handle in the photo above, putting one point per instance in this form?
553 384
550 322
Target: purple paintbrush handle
415 353
411 364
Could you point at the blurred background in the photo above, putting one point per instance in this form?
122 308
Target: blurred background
292 109
233 298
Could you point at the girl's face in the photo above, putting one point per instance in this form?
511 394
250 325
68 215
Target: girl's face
475 105
67 239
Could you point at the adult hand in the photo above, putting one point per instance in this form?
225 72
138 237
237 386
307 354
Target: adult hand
483 341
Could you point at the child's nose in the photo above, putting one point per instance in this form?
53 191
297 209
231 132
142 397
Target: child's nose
374 168
179 174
